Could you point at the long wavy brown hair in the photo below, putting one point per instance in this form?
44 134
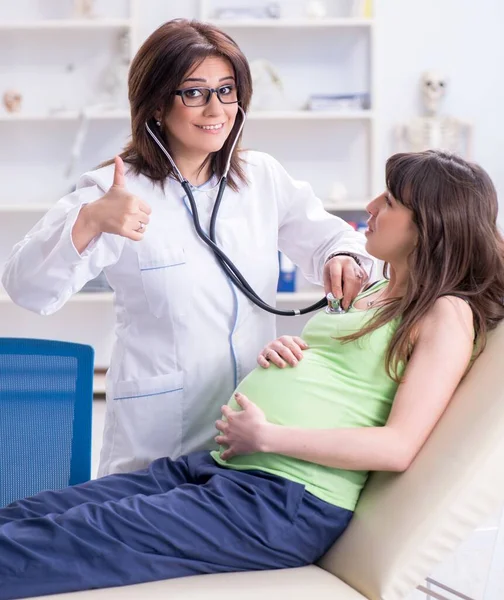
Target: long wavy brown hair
460 250
157 70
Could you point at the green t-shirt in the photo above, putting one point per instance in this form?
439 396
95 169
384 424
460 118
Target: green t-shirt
335 385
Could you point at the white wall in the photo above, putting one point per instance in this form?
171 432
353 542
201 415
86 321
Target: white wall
462 38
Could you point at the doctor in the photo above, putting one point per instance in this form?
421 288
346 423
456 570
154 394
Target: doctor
185 336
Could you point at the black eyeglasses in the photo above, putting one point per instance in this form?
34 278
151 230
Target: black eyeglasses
200 96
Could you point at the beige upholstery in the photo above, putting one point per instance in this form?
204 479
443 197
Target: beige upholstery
306 583
404 524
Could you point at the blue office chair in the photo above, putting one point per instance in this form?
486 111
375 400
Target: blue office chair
46 393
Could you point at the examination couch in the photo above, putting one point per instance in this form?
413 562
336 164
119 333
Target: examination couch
404 523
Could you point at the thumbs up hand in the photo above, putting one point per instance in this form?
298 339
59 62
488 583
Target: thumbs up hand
118 211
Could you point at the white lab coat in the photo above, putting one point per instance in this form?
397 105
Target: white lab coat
184 335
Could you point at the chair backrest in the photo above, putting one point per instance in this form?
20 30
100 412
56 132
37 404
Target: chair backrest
405 524
46 393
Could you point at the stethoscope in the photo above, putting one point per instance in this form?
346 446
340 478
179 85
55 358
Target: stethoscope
210 240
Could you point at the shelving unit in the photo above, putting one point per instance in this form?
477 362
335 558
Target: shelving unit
56 62
329 55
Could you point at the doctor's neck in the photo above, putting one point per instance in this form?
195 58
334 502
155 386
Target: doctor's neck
190 167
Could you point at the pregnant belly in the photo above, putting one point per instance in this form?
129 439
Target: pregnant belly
305 396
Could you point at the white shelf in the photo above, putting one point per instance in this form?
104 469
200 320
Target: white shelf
346 206
84 297
311 115
43 208
290 23
73 24
99 383
350 206
301 298
70 115
87 297
266 115
25 208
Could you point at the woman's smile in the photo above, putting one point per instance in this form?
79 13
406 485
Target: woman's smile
215 128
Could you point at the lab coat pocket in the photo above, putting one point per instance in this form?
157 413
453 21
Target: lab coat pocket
164 279
149 415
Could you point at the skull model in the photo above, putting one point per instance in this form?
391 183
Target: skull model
12 101
433 86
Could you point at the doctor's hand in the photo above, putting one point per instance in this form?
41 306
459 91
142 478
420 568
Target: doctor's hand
118 211
344 278
242 431
287 349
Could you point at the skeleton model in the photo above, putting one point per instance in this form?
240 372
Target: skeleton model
434 130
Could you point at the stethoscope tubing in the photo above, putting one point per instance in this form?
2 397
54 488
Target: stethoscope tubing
225 262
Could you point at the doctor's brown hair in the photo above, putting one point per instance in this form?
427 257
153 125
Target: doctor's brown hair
157 70
459 251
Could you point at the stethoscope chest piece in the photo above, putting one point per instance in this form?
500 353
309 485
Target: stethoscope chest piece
334 307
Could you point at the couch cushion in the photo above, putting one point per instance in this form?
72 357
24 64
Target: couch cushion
294 584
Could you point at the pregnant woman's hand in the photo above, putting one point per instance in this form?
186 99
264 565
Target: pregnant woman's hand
286 350
241 431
